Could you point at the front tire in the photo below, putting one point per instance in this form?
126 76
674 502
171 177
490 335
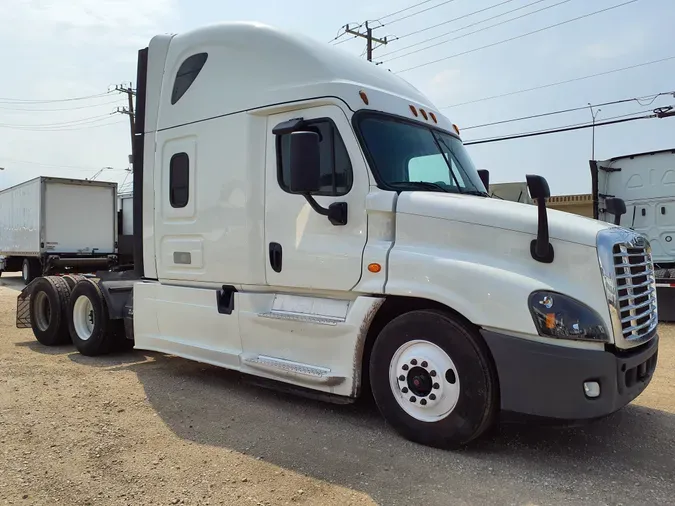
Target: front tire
48 311
91 329
433 380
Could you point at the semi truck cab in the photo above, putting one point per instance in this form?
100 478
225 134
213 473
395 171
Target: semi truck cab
303 216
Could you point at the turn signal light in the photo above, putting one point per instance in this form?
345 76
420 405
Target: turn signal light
374 268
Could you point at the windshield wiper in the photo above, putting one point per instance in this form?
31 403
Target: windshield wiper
419 184
476 192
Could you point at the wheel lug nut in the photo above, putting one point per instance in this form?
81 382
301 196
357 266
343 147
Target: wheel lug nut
424 364
436 386
413 361
401 378
423 402
405 367
413 399
432 397
433 374
404 390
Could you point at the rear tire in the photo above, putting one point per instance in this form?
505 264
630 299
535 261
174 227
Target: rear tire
91 329
433 379
49 304
29 270
73 279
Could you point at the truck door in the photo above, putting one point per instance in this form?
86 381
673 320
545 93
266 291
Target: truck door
304 249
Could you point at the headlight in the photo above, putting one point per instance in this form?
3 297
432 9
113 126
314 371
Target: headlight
556 315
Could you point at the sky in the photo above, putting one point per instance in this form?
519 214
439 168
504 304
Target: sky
64 49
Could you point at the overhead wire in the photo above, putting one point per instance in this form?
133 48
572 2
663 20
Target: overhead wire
517 36
407 16
568 128
489 7
19 101
558 83
403 10
469 26
117 100
574 109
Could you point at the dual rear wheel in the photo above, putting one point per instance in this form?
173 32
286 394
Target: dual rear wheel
72 309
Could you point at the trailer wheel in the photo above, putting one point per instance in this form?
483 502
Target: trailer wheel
27 271
433 380
48 311
91 329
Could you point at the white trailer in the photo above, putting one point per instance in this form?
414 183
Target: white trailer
304 216
52 225
645 182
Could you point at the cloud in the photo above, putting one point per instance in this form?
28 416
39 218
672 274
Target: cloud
110 22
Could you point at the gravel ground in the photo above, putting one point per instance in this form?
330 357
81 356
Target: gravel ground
143 428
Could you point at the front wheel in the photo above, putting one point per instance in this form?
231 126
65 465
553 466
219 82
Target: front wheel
433 380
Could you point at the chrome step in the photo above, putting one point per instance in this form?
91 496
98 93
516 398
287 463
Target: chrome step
301 317
302 372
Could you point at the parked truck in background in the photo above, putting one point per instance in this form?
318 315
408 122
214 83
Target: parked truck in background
306 217
54 225
646 184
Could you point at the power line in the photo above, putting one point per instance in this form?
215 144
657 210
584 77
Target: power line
457 19
469 26
4 100
416 13
403 10
517 36
570 128
573 109
549 85
27 162
59 124
61 108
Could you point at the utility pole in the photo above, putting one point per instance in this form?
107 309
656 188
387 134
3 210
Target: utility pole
594 115
369 38
128 110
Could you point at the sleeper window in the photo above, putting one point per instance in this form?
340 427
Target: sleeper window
335 169
186 75
179 180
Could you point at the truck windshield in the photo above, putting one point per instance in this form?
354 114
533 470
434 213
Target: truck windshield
411 156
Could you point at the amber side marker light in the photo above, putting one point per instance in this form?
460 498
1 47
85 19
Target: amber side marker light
433 117
456 128
424 114
363 96
413 110
374 268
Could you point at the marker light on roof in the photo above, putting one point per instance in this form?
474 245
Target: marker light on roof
424 114
413 110
433 117
363 96
456 128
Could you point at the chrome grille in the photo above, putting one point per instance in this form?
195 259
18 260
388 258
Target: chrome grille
636 291
630 285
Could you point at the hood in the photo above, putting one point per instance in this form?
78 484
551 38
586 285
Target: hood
493 212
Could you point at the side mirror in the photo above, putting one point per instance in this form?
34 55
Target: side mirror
617 207
484 175
538 187
540 249
304 162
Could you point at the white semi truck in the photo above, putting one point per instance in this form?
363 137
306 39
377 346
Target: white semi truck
644 184
54 225
303 216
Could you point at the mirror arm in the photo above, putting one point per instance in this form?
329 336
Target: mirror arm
540 248
315 205
336 213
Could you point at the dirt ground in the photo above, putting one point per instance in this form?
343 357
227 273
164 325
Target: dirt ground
144 428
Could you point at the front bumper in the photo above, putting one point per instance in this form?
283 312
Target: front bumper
544 380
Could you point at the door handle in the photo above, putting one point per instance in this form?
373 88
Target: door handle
276 253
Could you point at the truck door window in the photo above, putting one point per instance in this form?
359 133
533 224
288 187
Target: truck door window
336 168
179 181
